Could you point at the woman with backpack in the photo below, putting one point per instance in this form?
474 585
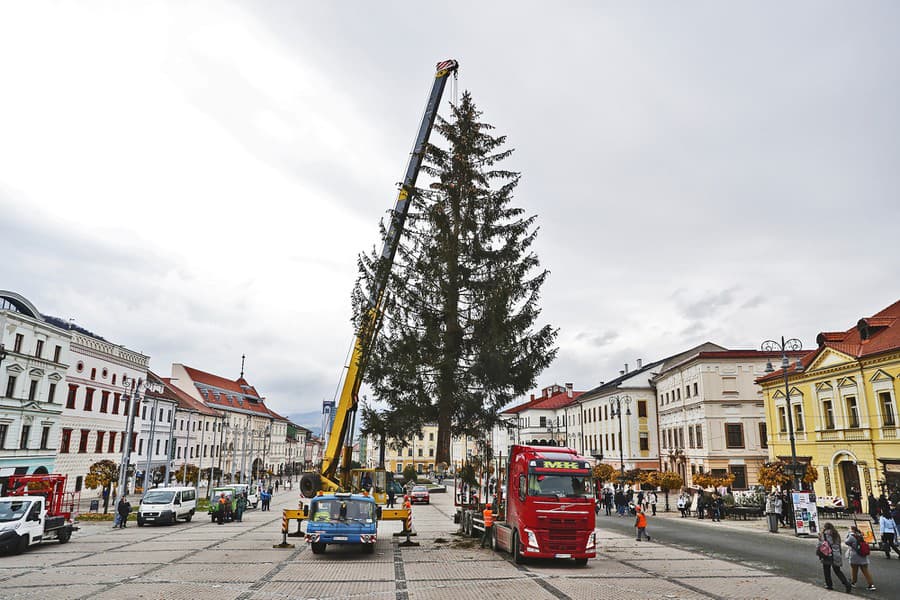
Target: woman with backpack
830 555
858 553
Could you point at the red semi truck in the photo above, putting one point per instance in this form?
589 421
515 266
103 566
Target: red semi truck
546 508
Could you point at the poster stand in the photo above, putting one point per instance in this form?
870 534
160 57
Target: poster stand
806 514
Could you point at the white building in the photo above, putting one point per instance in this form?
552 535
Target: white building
155 437
34 355
551 418
97 402
243 444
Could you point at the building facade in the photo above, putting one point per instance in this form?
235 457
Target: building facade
712 414
155 442
843 407
102 380
551 418
34 356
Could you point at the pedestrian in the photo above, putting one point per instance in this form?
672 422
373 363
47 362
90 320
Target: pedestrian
888 528
488 515
652 499
718 506
391 496
873 507
608 501
123 509
681 503
701 505
620 502
221 508
831 557
858 553
786 516
640 523
240 508
773 511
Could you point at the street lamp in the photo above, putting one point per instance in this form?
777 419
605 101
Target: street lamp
132 395
791 345
153 417
615 405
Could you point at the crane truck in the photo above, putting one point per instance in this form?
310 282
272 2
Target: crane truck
545 508
36 509
336 474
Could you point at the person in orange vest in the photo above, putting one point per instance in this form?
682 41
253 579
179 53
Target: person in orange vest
641 524
488 516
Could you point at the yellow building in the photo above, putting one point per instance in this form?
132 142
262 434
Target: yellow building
844 408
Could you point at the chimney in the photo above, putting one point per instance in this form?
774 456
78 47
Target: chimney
532 397
621 372
639 363
569 387
626 367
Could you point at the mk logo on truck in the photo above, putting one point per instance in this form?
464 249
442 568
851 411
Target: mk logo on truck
561 464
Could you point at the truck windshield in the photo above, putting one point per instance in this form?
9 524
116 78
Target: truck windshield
560 485
329 511
158 497
13 510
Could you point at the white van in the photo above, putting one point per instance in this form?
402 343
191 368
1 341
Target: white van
252 493
167 505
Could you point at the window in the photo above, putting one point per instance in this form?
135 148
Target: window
431 452
64 441
38 348
157 449
644 440
699 436
763 435
740 476
83 442
687 391
690 437
70 400
160 415
696 393
140 446
51 392
45 437
421 437
431 436
144 413
56 353
112 442
116 398
17 346
10 386
399 467
798 417
782 419
642 408
178 452
114 379
23 438
104 401
409 452
887 409
828 414
678 394
93 373
543 421
852 412
88 399
734 435
680 437
125 401
420 452
32 389
98 445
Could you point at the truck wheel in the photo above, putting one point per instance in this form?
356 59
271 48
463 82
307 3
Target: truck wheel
310 483
581 562
517 549
21 544
494 538
189 516
318 547
140 523
368 548
64 535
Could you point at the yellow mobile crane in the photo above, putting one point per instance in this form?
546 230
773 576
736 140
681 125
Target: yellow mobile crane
336 474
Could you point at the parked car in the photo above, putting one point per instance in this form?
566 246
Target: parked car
419 493
167 505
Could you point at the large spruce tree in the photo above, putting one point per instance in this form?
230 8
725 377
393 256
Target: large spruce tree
459 334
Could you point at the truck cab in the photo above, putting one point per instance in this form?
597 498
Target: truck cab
24 522
549 508
342 519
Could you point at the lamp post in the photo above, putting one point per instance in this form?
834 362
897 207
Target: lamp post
615 405
153 418
132 401
791 345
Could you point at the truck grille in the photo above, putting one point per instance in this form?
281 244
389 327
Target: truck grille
563 534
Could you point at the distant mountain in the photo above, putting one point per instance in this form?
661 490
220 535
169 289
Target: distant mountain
312 420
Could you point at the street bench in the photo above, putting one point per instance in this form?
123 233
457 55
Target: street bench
744 512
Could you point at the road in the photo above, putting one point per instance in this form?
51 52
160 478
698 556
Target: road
783 554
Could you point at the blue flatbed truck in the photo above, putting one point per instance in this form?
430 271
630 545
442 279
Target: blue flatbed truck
342 518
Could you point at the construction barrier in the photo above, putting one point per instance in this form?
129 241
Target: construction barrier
286 516
299 532
407 524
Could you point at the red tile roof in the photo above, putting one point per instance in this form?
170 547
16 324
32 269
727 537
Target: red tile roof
185 401
877 334
211 380
237 394
559 399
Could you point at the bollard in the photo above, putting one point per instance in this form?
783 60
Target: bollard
407 526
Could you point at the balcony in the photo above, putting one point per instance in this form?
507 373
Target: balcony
855 434
889 433
799 436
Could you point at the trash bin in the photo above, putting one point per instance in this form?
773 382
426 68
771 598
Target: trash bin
95 506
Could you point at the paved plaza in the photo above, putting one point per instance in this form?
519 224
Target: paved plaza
200 560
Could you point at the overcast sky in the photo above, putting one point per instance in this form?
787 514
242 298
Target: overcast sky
195 180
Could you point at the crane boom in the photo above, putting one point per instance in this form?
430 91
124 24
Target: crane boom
340 442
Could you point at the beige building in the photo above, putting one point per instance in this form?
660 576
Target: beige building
712 414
